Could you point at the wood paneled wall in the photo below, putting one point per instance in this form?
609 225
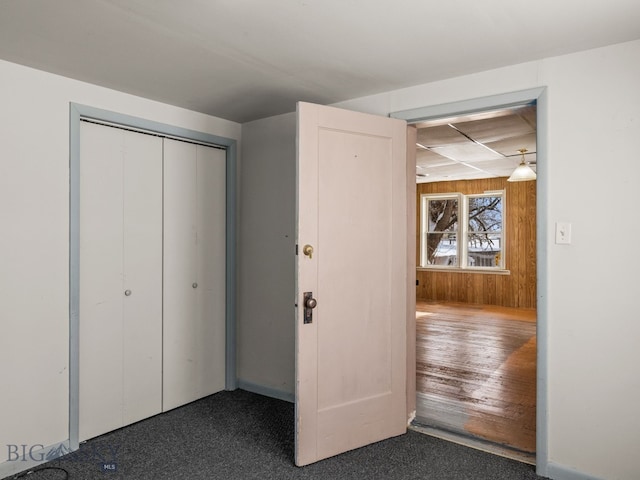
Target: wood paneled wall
518 289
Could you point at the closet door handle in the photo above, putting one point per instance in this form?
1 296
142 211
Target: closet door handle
194 285
127 293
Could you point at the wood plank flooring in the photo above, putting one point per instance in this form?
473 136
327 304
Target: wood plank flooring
476 372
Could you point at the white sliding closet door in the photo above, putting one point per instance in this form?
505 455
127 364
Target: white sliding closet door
194 272
120 278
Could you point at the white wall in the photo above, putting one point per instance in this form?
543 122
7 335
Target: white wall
592 166
266 316
34 240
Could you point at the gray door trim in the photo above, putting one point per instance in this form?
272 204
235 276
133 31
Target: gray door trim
538 95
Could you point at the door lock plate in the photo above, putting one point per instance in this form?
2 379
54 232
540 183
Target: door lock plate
309 304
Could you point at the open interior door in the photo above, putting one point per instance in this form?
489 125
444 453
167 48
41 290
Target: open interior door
351 281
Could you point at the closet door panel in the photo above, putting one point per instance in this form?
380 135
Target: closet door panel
211 271
180 338
142 313
120 250
194 272
101 270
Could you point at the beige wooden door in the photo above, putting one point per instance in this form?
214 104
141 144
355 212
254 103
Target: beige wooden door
120 278
194 272
352 210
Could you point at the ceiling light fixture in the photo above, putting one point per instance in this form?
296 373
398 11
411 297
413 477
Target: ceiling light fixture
523 172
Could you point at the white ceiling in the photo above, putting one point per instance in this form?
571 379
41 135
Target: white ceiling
247 59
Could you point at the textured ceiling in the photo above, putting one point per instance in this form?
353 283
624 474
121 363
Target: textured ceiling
247 59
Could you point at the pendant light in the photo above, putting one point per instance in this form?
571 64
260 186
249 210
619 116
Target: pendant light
523 172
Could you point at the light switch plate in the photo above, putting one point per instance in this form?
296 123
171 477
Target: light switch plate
563 233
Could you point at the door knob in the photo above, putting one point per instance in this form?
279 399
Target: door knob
308 250
194 285
127 292
310 303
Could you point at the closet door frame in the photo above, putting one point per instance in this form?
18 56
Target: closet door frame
78 112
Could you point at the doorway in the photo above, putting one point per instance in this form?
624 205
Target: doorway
476 310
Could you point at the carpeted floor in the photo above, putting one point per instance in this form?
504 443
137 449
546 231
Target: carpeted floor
240 435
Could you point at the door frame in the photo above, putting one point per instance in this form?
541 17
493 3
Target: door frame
538 95
78 112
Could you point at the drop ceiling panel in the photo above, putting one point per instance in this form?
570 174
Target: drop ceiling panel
452 169
469 152
510 146
427 158
529 114
435 177
440 135
494 129
509 164
500 164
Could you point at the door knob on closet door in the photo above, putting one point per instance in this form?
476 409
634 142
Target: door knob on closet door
194 285
127 293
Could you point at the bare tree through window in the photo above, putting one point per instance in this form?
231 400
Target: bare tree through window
480 233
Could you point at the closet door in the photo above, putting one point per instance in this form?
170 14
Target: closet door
120 278
194 272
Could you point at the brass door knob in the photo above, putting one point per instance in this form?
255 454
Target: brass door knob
308 250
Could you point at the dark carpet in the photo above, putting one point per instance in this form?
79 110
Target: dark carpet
241 435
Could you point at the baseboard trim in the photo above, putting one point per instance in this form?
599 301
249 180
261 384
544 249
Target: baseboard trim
266 391
561 472
31 458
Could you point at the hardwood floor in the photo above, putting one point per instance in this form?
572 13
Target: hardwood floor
476 372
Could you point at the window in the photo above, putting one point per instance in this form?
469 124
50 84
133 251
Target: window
462 231
440 215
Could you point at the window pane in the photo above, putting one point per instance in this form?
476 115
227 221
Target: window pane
485 214
484 250
443 215
442 249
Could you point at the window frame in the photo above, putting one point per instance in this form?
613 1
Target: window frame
462 232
